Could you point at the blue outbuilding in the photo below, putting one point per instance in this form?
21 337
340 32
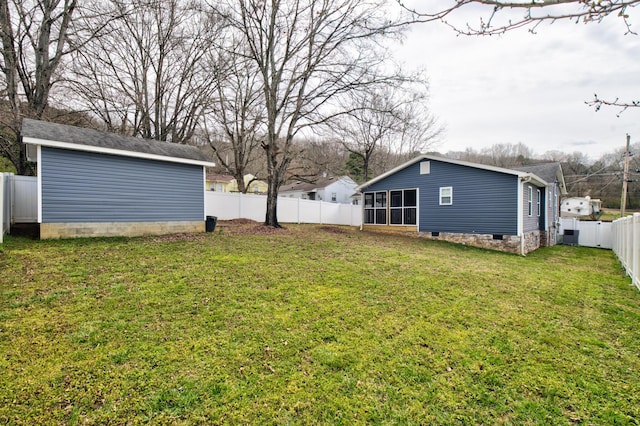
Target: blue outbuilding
93 183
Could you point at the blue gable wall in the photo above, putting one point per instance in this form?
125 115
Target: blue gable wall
89 187
484 201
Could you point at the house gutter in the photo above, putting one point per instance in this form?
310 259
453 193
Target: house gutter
361 210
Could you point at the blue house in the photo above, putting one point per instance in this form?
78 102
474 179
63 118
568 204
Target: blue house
503 209
93 183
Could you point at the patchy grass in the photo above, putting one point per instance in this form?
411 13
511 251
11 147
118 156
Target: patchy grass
313 325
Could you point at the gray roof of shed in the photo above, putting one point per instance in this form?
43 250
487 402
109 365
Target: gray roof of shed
109 142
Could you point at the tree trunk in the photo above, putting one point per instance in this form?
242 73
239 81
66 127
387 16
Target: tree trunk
271 218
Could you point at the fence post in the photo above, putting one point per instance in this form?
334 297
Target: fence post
2 186
635 251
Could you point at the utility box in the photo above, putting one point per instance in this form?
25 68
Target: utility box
570 237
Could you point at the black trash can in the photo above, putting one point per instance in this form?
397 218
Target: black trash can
210 224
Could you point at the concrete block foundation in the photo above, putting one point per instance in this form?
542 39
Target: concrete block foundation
117 229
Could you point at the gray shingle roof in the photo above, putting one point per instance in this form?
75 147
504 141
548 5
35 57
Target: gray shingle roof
546 171
309 186
550 172
88 137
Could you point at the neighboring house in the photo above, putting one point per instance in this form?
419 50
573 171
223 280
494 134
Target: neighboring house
92 183
331 189
227 183
219 183
256 186
510 210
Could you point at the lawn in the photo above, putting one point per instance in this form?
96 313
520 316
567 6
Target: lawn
313 325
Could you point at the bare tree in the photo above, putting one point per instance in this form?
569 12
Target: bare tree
500 16
307 53
389 121
147 76
534 13
234 120
505 155
317 157
36 36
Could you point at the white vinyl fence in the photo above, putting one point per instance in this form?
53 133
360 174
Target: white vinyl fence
227 206
589 233
626 245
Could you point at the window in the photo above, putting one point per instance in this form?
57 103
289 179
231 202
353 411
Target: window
375 207
446 195
334 197
403 207
530 200
425 167
539 199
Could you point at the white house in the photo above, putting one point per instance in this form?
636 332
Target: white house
330 189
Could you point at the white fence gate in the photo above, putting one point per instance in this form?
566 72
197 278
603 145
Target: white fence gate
18 201
590 233
227 206
626 245
24 203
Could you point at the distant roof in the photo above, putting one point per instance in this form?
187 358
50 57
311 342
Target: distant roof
43 133
310 186
550 172
219 178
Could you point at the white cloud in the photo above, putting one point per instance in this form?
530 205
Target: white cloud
531 88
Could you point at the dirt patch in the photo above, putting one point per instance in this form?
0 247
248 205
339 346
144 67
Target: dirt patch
334 230
240 222
248 227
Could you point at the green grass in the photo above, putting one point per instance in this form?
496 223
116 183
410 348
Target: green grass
314 327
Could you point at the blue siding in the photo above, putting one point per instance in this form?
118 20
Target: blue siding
90 187
484 201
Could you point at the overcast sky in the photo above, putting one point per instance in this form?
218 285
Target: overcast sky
531 88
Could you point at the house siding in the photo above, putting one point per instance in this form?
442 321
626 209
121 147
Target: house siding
533 222
90 187
482 199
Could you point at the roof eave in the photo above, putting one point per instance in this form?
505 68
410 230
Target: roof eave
113 151
447 160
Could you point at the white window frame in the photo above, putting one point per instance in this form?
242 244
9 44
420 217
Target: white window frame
530 200
443 190
539 201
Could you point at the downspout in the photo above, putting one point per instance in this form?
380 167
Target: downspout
39 184
361 210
